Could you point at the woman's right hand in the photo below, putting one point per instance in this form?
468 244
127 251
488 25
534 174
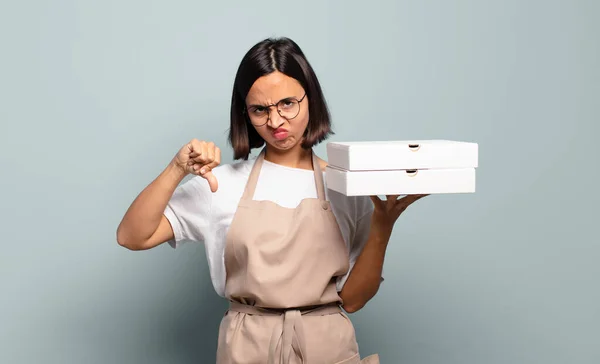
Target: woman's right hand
199 158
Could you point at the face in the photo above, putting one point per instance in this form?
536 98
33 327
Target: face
278 131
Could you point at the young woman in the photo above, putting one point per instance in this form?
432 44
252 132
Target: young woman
289 255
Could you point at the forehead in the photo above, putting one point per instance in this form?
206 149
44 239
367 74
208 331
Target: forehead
272 88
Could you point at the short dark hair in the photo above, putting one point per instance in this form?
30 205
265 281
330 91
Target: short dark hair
267 56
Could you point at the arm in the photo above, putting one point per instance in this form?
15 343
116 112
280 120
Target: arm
144 225
365 278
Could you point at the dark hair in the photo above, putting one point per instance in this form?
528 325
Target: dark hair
267 56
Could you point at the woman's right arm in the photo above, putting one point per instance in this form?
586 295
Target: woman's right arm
144 225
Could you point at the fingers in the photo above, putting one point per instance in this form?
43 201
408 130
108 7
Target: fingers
392 200
210 151
394 206
203 153
375 199
403 203
413 198
216 158
377 202
407 198
203 157
213 159
199 151
212 181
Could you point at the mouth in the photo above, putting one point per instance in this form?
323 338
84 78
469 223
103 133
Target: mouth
280 134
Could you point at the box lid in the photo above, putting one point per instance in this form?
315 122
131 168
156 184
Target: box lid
402 154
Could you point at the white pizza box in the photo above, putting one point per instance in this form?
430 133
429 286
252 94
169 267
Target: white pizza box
400 182
408 154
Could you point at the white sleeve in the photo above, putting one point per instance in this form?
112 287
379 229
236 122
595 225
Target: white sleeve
362 228
188 211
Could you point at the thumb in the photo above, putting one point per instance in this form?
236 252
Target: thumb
212 181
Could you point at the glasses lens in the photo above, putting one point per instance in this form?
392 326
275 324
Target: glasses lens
258 115
288 108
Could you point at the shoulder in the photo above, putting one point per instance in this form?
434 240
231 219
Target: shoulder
322 163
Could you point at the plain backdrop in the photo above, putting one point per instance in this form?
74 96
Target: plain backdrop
97 97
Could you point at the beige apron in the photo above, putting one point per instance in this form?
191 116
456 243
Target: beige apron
281 266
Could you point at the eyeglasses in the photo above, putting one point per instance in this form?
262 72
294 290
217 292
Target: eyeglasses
287 108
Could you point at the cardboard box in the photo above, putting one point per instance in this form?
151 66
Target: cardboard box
401 167
394 155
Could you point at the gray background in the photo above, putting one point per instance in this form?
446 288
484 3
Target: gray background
98 96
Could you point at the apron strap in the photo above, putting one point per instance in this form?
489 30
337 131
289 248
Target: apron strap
318 177
253 179
255 172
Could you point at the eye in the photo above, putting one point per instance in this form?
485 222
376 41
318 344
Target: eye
286 104
257 110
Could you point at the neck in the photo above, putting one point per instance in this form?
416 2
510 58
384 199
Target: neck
296 157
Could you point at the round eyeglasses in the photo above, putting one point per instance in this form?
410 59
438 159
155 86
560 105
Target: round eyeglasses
287 108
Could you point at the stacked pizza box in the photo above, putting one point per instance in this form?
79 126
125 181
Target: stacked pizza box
367 168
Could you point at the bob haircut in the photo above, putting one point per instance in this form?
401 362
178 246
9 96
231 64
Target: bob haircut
268 56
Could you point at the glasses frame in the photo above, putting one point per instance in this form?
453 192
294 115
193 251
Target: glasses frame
268 107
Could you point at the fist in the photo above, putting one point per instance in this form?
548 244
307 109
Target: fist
199 158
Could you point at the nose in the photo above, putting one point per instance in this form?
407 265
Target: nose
275 120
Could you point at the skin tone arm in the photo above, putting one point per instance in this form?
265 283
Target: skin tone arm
365 278
144 225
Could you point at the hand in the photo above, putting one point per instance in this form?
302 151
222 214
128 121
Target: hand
199 158
387 212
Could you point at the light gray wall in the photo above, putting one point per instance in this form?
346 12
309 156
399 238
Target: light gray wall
96 97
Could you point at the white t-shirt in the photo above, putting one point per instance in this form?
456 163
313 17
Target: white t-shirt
196 214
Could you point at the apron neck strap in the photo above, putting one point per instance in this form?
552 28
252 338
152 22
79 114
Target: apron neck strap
318 177
255 172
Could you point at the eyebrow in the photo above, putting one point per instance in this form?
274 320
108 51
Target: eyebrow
263 105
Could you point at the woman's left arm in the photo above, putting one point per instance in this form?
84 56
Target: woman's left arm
364 280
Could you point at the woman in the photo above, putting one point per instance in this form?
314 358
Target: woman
287 253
